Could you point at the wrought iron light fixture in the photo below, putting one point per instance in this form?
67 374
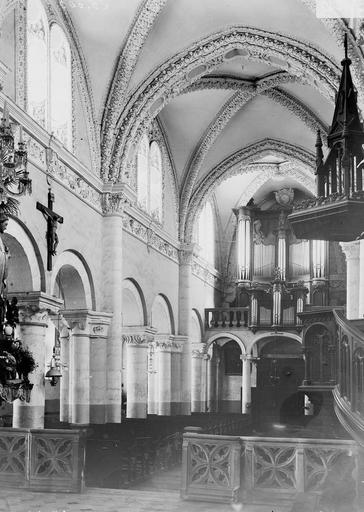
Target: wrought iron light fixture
14 177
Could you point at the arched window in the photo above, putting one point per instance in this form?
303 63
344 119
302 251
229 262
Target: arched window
60 86
155 175
150 178
206 233
142 172
49 90
37 65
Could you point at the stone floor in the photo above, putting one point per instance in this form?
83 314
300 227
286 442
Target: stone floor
110 500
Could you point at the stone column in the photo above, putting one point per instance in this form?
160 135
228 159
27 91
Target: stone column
211 384
164 347
152 379
184 324
64 383
246 384
137 371
196 381
354 278
204 386
34 309
176 378
99 325
112 284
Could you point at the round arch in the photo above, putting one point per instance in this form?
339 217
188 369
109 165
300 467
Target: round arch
266 337
229 335
26 269
162 315
72 272
134 307
197 326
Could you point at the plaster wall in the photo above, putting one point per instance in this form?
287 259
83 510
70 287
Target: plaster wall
81 229
155 273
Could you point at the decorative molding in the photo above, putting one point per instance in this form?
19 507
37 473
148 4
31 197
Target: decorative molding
208 275
300 167
62 173
230 108
149 236
351 250
21 53
113 203
32 314
337 28
173 76
137 339
185 254
131 49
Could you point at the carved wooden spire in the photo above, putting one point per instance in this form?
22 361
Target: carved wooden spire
346 120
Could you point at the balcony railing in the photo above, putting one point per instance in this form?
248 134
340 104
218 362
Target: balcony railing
223 318
228 468
349 393
226 317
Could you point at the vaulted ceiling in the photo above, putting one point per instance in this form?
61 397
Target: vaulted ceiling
232 79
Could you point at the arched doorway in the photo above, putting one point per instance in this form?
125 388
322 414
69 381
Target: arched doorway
224 374
280 371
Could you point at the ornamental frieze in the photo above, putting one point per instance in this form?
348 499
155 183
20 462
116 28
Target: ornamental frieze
63 174
137 339
149 236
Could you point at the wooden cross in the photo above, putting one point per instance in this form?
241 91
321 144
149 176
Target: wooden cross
52 219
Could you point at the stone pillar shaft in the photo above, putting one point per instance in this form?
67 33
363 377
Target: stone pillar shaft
112 264
354 278
196 382
80 378
34 309
176 380
137 345
184 325
164 379
246 386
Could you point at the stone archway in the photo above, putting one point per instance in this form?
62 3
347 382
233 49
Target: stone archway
280 372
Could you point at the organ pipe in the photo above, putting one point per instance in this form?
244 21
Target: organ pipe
244 244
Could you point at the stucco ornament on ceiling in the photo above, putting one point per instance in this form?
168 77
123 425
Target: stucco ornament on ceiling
182 70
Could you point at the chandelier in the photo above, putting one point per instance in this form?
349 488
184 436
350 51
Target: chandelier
16 361
14 177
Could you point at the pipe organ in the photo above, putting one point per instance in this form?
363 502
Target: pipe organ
274 267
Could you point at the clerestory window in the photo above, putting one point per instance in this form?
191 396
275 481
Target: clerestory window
49 90
150 178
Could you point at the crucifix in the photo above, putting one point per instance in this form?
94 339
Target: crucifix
52 219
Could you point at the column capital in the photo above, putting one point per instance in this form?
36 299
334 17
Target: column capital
138 335
89 323
35 307
351 249
115 197
166 342
198 354
185 254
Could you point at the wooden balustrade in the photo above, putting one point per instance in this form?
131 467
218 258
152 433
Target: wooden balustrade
46 460
349 393
227 468
223 318
114 463
226 317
